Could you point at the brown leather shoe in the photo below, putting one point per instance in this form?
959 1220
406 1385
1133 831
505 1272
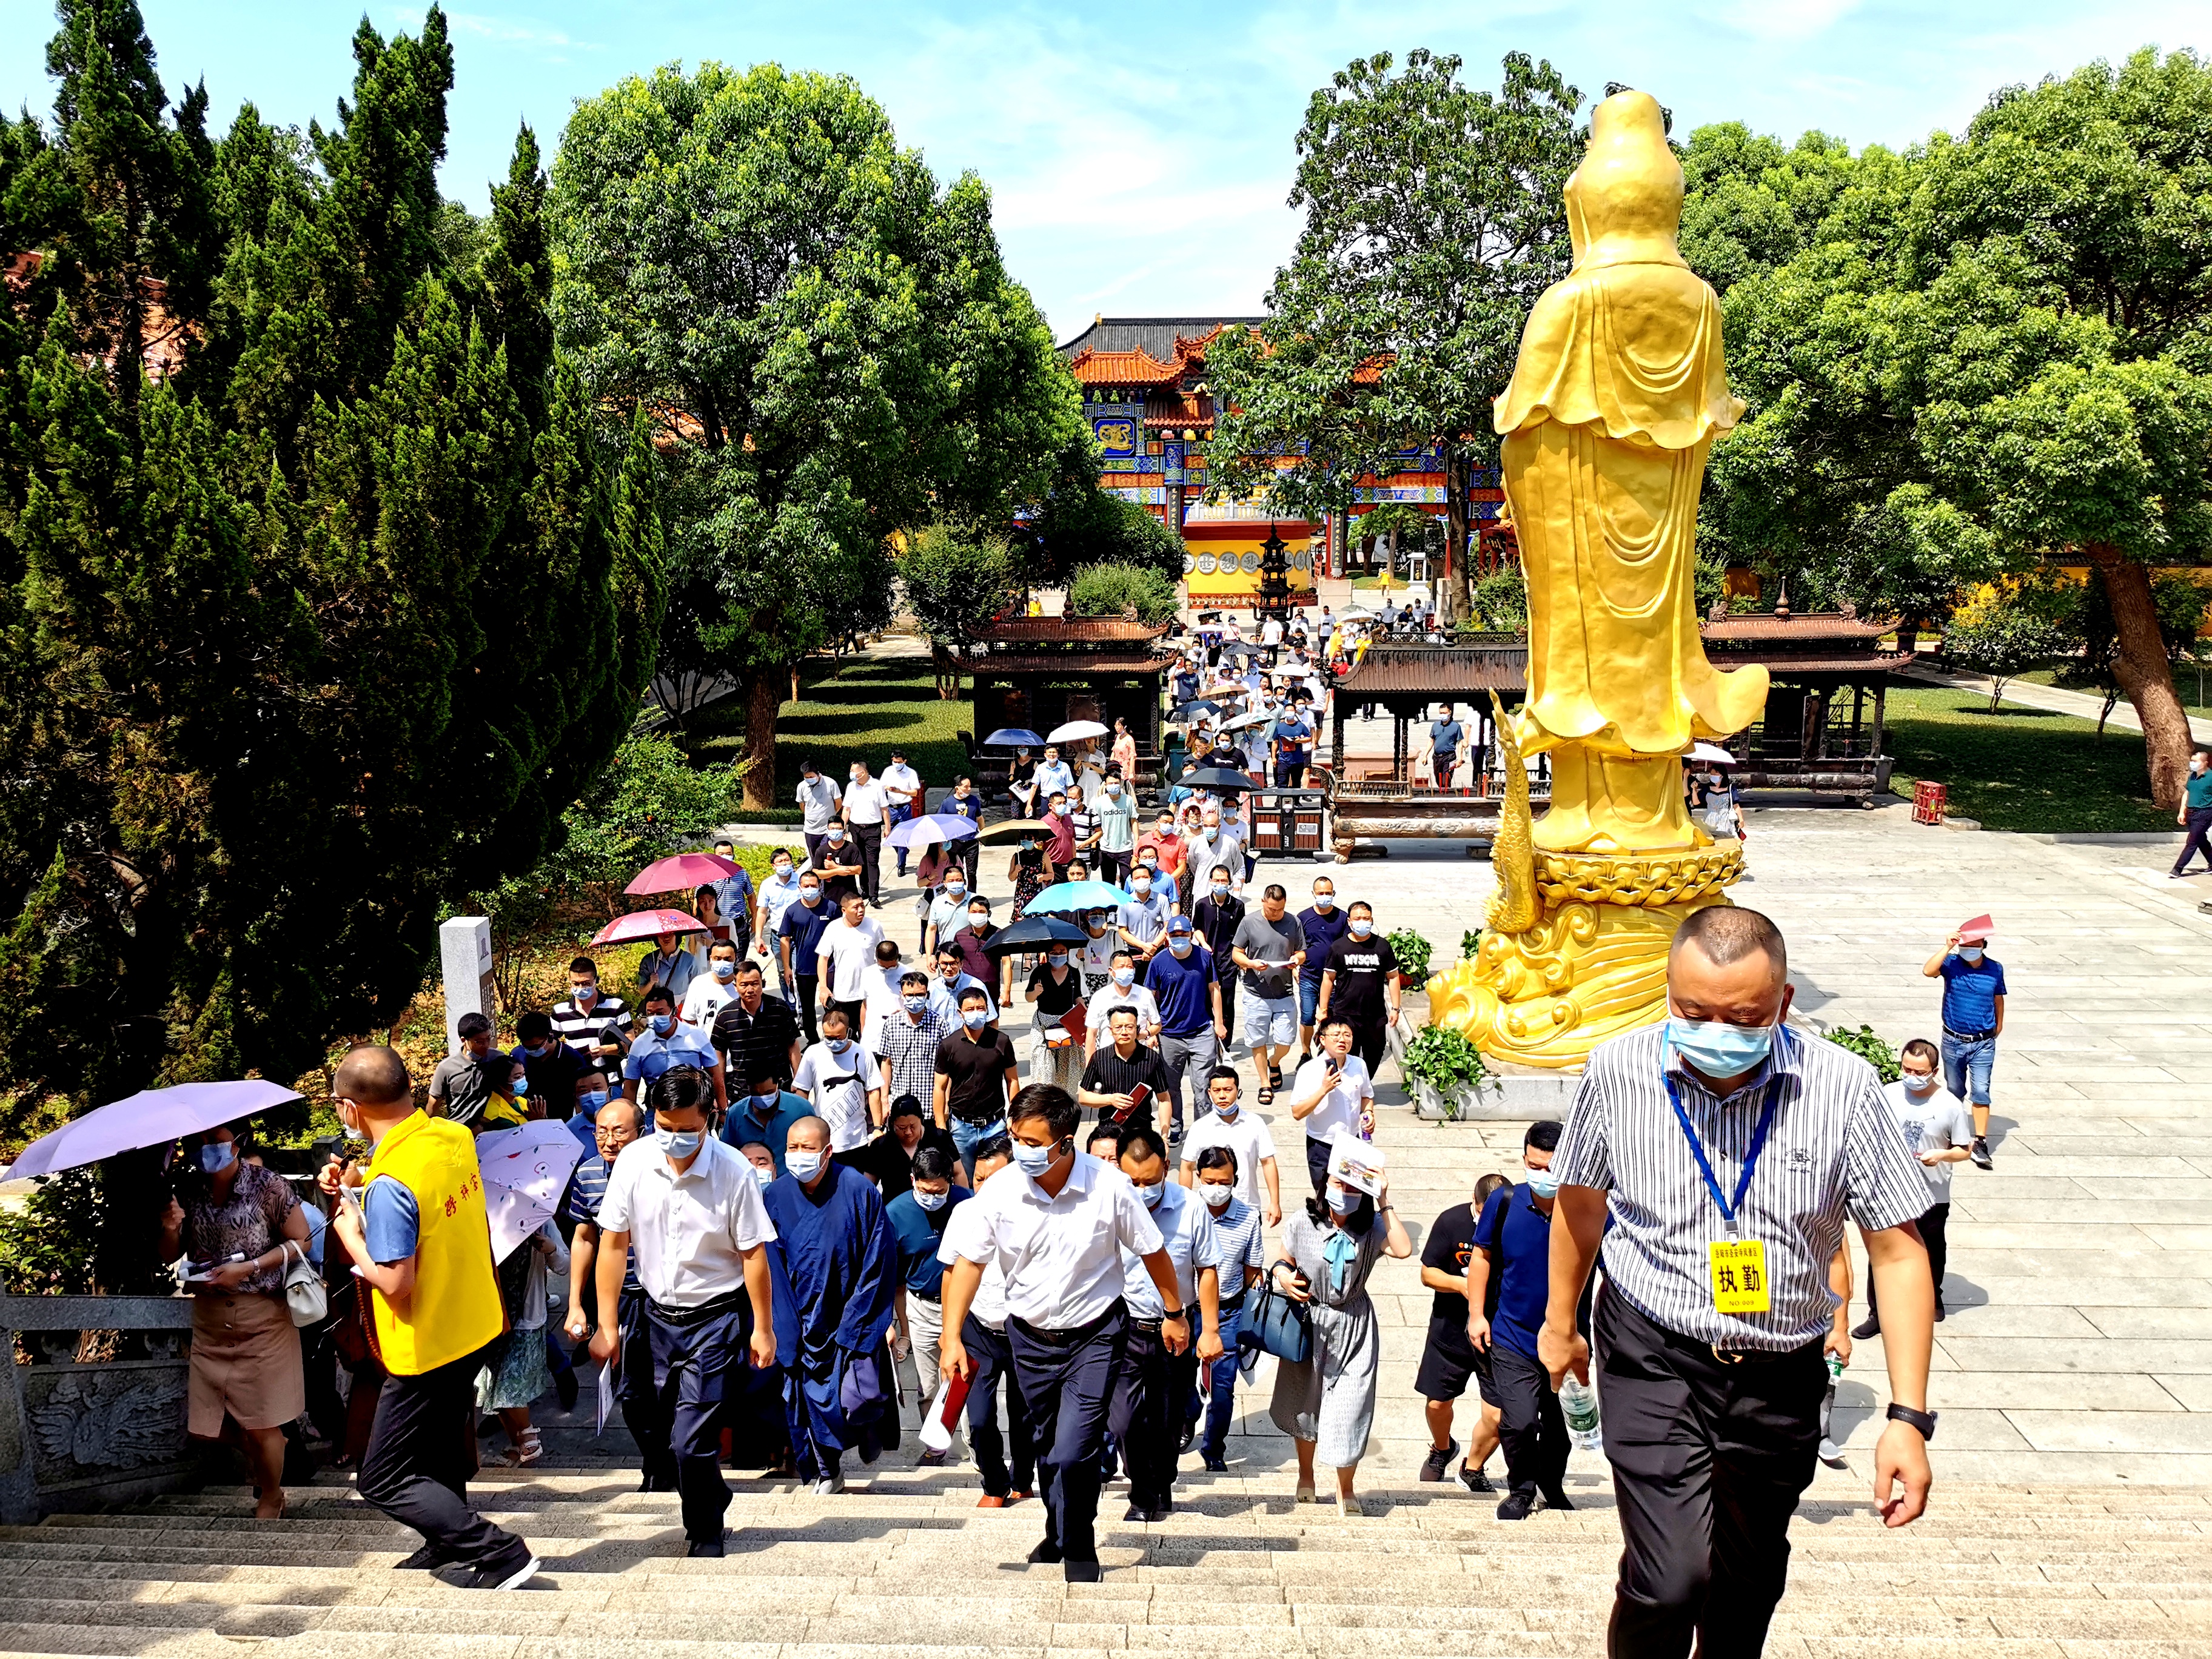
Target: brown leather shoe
990 1501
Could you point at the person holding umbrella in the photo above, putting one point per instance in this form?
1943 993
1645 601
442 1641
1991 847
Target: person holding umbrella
668 964
238 1227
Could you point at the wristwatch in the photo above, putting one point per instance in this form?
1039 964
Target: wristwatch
1175 1313
1923 1421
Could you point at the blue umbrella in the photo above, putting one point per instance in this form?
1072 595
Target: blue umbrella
1013 736
1063 897
931 830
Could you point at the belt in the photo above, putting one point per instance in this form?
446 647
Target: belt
1969 1037
928 1295
1076 1337
728 1302
1231 1304
1758 1356
1150 1327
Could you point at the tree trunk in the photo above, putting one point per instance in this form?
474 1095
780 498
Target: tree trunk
1456 559
764 697
2143 672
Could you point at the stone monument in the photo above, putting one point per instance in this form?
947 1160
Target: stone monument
1618 390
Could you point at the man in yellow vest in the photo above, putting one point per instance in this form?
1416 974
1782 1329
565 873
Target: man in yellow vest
417 1232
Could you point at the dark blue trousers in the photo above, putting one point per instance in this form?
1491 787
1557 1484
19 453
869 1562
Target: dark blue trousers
993 1359
691 1371
634 1390
1143 1395
1068 1390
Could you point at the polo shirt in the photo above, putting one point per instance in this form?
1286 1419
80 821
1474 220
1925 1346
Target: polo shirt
1108 1073
1524 1276
1971 990
967 1228
1446 736
976 1062
1248 1137
908 1049
1239 1242
818 800
803 927
890 1166
918 1234
1187 1234
756 1041
777 897
688 1231
579 1204
458 1081
948 914
901 779
866 802
675 972
944 999
1322 933
1104 1000
838 1084
1291 736
1217 924
1183 987
733 898
2199 790
745 1124
650 1056
977 963
1061 1253
1062 846
1339 1107
1145 919
1052 778
582 1031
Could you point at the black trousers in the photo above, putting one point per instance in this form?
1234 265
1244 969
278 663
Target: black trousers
641 1410
1114 867
1144 1393
1709 1459
421 1451
1317 1154
1933 1220
2199 841
1368 1043
810 987
993 1359
1531 1428
1068 1390
868 841
691 1373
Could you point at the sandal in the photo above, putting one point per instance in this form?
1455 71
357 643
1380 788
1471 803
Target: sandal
526 1452
1264 1097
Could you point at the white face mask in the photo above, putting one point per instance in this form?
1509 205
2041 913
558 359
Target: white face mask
1217 1193
1918 1086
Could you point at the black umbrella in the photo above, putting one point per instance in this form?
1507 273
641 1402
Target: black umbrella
1033 933
1216 778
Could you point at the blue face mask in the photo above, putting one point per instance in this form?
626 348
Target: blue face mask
1125 978
1718 1050
1034 1160
1970 952
763 1104
914 1004
592 1099
662 1024
726 971
805 1165
1543 1184
932 1201
217 1156
975 1018
678 1142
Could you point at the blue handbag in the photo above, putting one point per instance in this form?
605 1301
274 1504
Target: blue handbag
1274 1324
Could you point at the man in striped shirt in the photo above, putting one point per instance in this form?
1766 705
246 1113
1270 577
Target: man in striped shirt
1728 1151
592 1021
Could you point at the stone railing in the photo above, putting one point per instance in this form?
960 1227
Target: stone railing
82 1433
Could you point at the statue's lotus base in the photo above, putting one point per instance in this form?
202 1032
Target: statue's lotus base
1593 967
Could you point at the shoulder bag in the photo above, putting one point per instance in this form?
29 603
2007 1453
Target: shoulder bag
303 1287
1274 1324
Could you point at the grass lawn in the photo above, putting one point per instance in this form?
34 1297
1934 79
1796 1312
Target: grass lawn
2020 768
852 710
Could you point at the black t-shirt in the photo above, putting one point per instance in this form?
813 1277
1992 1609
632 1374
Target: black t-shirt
977 1062
1056 998
553 1077
1361 967
890 1166
1449 1247
1108 1073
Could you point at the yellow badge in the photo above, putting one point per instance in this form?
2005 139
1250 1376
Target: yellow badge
1740 1276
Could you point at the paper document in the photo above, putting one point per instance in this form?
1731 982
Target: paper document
606 1398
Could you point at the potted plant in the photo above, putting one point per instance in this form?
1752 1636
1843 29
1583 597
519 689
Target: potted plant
1412 953
1442 1068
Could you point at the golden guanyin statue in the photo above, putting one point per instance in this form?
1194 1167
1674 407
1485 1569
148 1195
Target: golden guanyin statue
1619 389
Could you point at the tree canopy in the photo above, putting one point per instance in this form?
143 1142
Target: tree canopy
1434 219
1984 352
827 344
321 595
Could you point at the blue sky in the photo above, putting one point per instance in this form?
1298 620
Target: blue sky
1140 153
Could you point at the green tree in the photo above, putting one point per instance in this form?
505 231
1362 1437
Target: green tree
2001 636
1990 351
955 584
316 634
1434 218
827 343
1114 590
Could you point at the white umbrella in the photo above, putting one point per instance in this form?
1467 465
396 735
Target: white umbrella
524 1171
1712 755
1075 731
1255 717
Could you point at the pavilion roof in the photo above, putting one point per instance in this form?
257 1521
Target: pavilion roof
1784 624
1056 630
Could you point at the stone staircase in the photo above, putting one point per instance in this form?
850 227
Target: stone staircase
904 1560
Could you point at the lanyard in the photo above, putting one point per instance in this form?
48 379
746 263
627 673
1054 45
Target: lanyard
1727 1208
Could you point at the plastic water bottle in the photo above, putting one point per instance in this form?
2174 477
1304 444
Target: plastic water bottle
1578 1404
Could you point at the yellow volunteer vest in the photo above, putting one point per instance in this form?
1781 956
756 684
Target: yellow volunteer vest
455 1309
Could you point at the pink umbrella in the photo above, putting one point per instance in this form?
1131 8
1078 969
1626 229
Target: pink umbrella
686 872
647 924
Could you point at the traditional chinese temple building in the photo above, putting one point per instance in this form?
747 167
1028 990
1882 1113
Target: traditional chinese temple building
1145 394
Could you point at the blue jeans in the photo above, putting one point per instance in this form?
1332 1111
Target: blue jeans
1220 1400
967 1137
1968 1060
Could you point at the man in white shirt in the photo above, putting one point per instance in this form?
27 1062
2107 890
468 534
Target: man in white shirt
1057 1225
1053 776
1152 1383
983 1334
817 801
777 894
1940 1132
709 993
1332 1096
1243 1133
1095 956
880 992
846 956
691 1209
868 811
1271 631
902 784
841 1080
1121 991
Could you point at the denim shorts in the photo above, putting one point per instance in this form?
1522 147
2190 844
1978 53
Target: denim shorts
1267 1020
1309 1000
1966 1063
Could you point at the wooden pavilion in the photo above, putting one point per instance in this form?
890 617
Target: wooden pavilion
1043 671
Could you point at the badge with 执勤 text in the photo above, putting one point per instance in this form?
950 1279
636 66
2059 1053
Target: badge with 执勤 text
1739 1267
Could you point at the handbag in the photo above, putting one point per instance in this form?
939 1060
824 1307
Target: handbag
1274 1324
303 1287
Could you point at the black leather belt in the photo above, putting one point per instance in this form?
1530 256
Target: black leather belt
728 1302
1074 1338
1969 1037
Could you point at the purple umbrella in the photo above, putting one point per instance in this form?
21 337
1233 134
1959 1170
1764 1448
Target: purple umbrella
152 1117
